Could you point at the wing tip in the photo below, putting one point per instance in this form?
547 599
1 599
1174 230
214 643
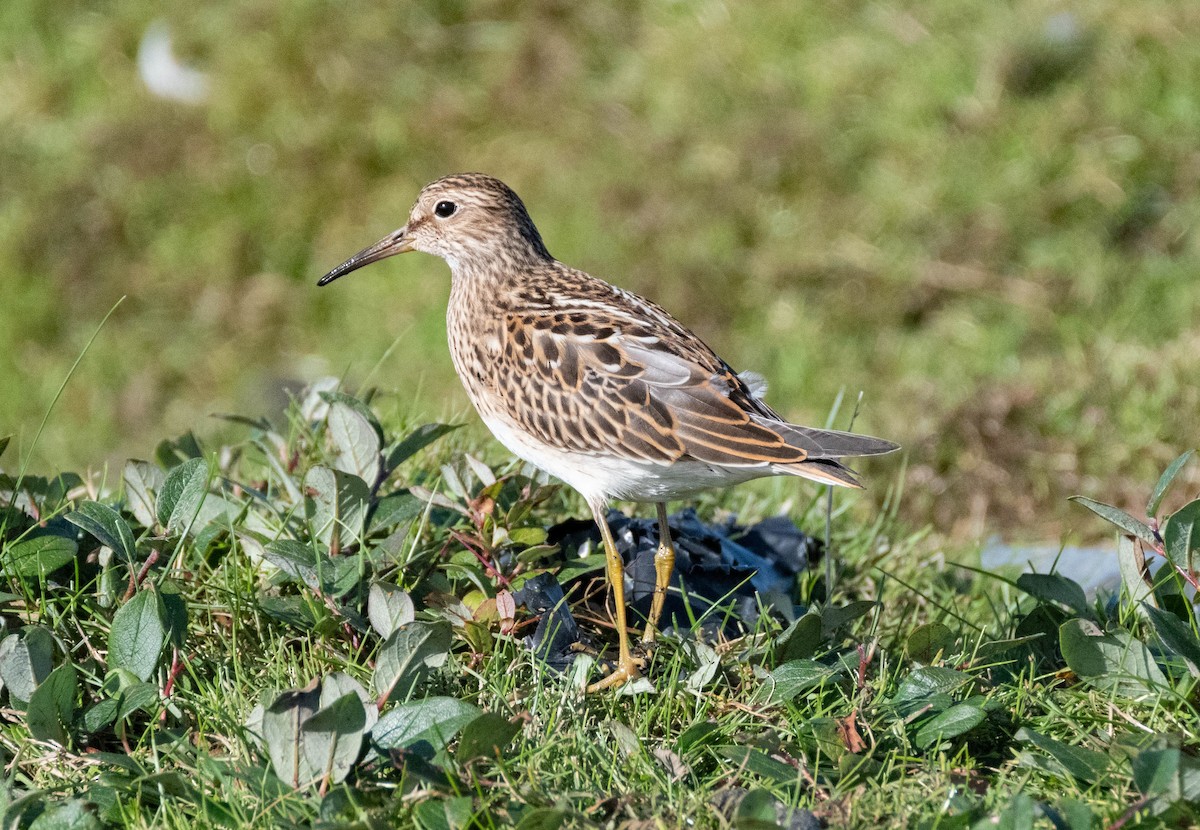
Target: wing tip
830 443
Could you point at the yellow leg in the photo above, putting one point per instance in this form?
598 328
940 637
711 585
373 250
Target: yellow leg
627 668
664 565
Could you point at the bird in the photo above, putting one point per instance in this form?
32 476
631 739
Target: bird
597 386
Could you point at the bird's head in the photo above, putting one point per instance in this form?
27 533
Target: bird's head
466 219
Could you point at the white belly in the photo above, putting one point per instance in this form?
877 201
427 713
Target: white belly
601 479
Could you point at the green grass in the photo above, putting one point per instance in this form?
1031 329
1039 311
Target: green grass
923 693
980 215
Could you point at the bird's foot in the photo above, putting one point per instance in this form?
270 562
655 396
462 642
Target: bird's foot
627 670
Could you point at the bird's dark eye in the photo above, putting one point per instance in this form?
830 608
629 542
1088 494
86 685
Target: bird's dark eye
444 209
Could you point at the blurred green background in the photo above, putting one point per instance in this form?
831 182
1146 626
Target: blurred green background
982 215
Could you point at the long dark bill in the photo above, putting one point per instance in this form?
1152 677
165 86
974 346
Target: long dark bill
390 245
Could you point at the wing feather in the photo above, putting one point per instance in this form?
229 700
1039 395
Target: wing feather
640 386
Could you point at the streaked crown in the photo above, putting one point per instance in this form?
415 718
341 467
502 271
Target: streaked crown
468 217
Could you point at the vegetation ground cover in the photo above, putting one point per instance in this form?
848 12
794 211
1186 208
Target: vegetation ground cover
315 626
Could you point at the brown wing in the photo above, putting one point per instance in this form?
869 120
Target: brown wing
631 382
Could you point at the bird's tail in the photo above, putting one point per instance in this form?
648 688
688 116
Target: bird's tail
824 470
821 444
823 447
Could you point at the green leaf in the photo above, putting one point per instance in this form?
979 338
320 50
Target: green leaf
38 497
281 723
1086 766
487 479
758 810
324 574
106 524
173 451
4 443
175 612
1039 628
698 735
928 640
705 664
625 739
361 408
138 634
1176 635
75 814
1018 814
1167 773
1169 589
802 639
298 612
137 697
182 494
38 556
544 818
1071 815
1164 481
486 737
1118 517
794 677
929 680
452 482
1054 588
825 737
356 440
408 655
296 559
101 716
1079 641
759 763
143 483
1134 577
388 608
453 813
957 720
575 568
337 506
833 619
338 684
1181 535
26 660
432 722
527 536
217 515
395 509
332 738
51 704
530 557
416 441
1114 661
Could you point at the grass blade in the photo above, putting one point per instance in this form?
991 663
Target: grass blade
46 418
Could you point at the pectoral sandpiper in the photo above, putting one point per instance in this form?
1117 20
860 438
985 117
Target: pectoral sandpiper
593 384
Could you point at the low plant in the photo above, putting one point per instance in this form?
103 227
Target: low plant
319 626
